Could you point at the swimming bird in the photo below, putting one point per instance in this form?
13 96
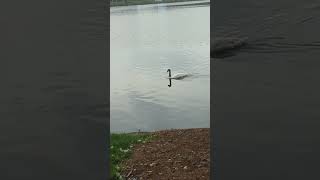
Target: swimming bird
177 76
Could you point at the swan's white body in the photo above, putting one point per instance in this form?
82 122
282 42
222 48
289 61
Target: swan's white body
179 76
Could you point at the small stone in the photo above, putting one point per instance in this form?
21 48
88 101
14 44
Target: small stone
124 150
152 164
185 167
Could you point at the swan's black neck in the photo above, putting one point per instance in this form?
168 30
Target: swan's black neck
169 72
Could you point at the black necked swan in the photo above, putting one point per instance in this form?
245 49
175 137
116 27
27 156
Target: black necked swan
178 75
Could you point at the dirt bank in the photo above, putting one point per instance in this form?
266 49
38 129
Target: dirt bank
174 154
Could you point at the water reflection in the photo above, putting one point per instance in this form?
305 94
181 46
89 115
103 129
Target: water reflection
169 82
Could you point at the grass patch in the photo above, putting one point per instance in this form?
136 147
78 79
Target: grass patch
121 149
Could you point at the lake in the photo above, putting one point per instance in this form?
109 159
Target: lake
54 90
267 92
145 41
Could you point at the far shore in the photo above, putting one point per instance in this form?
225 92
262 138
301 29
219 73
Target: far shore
145 2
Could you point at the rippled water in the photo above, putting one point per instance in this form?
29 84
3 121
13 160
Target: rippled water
145 42
267 91
54 87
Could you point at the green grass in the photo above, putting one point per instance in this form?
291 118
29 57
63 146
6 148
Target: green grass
141 2
121 149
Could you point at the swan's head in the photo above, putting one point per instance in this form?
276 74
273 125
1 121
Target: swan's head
169 72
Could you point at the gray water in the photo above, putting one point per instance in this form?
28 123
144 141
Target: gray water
267 91
145 41
54 90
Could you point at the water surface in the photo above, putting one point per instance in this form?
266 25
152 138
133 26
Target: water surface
267 92
54 90
146 41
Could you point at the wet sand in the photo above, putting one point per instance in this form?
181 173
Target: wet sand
266 94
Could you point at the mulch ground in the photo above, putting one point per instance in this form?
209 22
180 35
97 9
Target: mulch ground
174 154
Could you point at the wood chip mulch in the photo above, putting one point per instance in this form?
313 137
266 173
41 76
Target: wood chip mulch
173 154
